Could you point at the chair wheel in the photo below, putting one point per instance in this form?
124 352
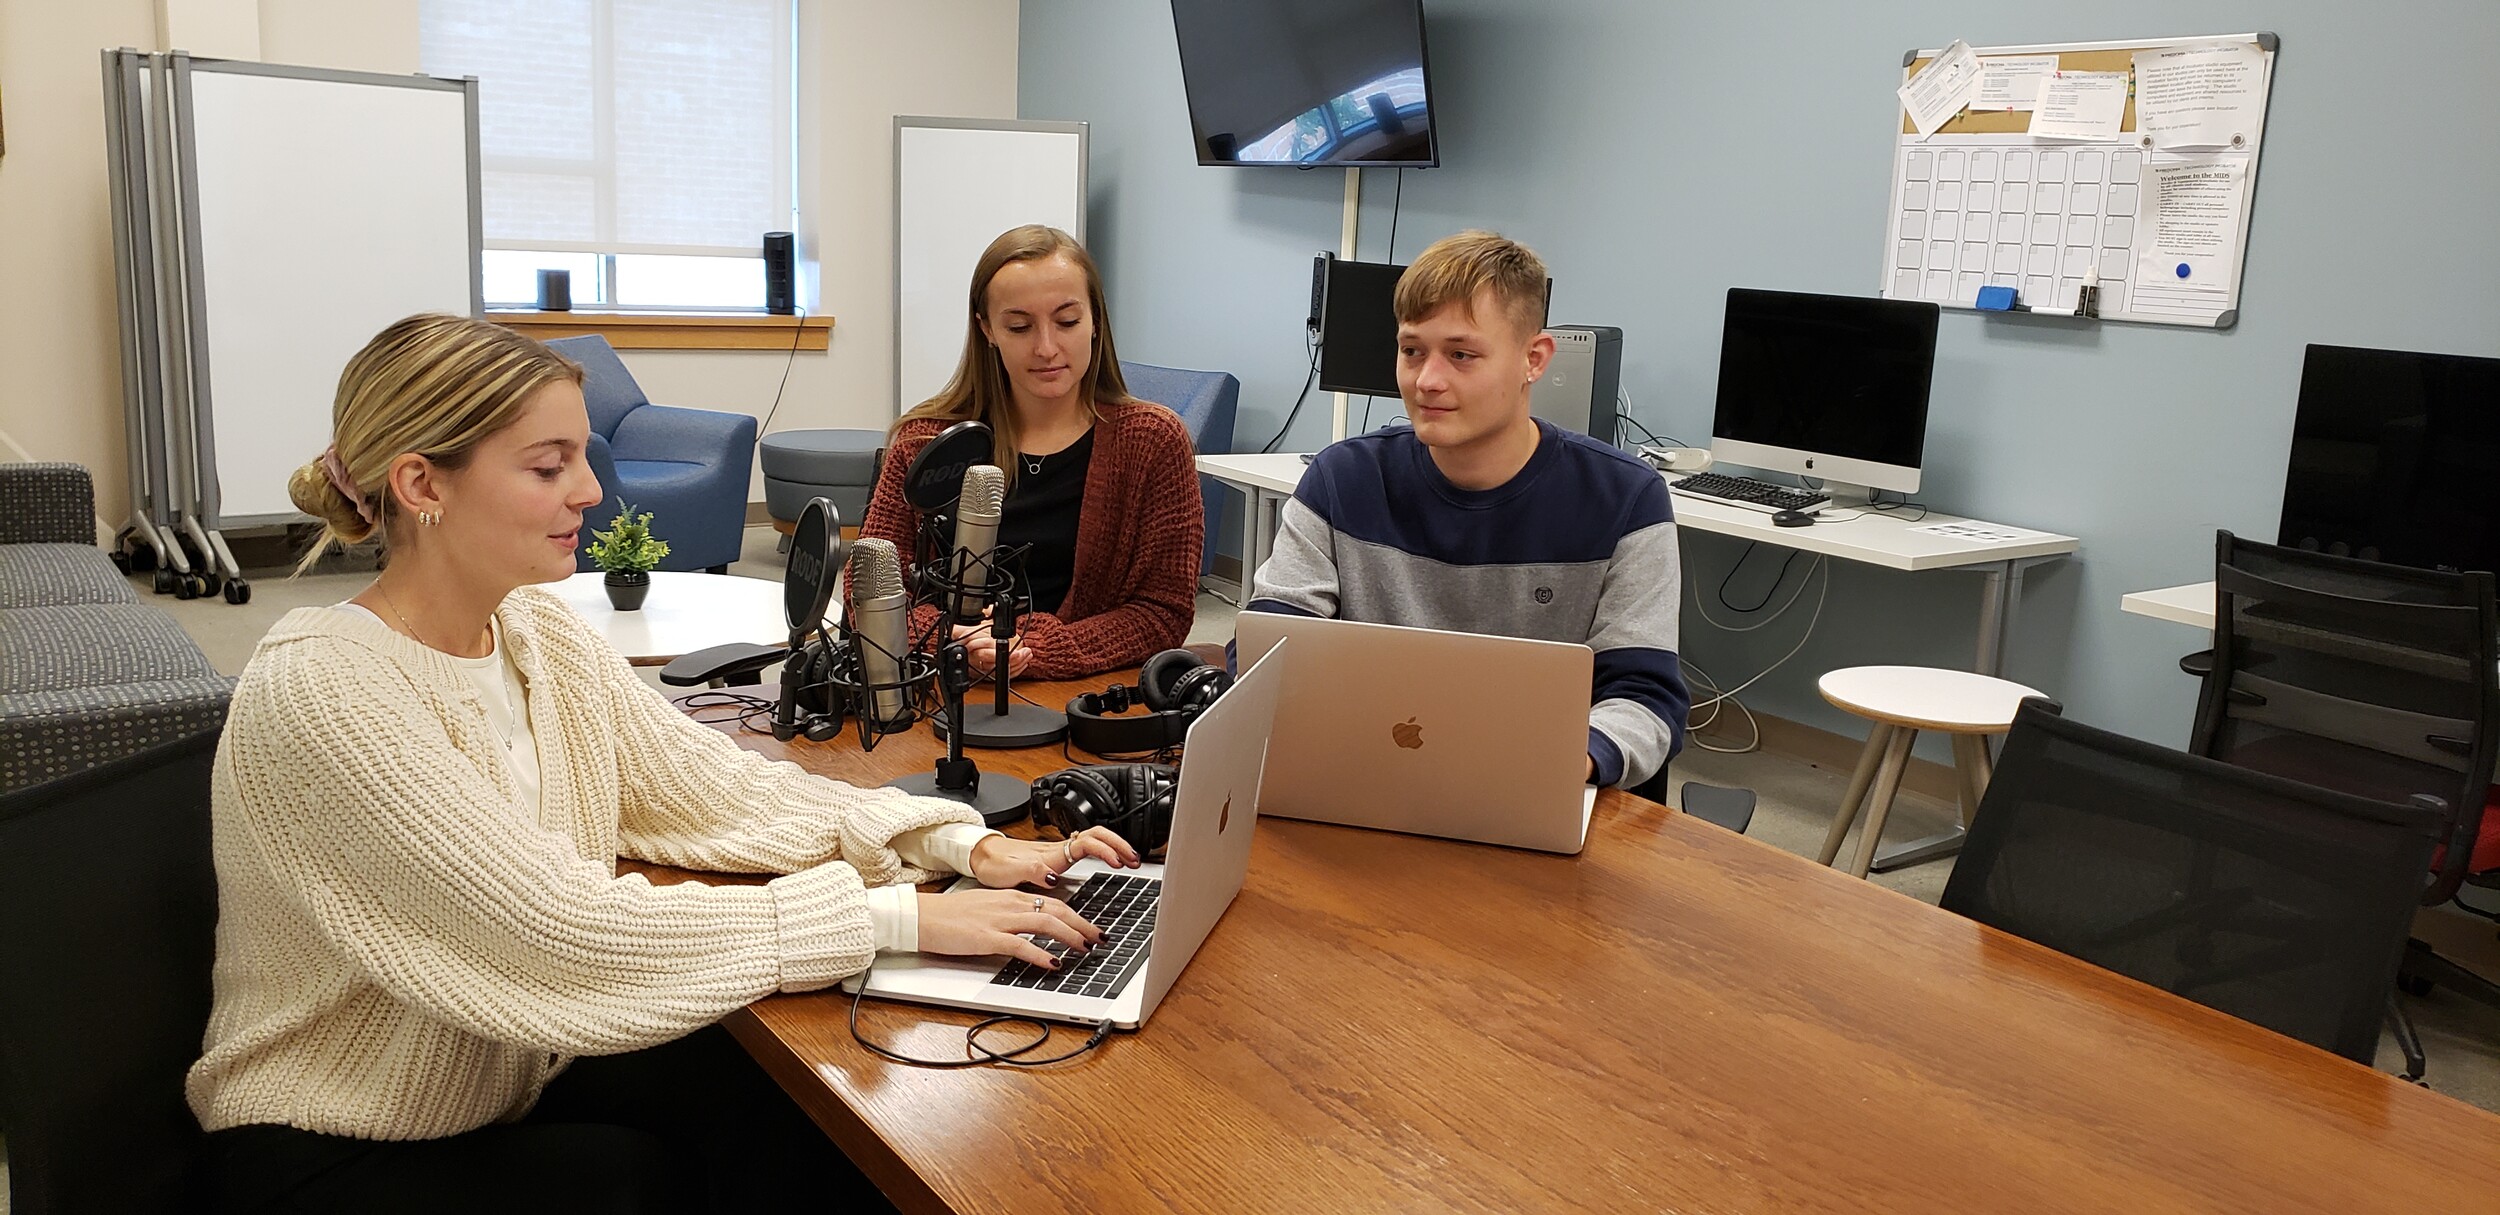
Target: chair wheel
142 559
187 586
210 582
238 592
166 582
2413 985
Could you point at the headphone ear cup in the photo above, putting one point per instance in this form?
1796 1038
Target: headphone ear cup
1150 810
1081 798
1162 674
1198 688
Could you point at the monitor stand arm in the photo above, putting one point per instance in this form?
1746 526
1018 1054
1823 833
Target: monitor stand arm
1845 495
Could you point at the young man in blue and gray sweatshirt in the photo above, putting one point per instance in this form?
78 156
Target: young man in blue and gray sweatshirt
1483 519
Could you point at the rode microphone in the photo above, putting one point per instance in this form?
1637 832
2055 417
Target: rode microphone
881 618
976 538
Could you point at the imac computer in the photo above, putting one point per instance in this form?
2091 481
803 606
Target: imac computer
1826 386
2392 458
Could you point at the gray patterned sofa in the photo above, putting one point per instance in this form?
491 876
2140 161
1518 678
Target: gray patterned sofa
87 672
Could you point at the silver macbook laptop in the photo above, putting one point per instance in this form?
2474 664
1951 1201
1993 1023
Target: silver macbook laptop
1159 914
1457 735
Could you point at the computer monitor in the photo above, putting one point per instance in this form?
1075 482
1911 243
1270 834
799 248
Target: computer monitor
2392 458
1358 328
1826 386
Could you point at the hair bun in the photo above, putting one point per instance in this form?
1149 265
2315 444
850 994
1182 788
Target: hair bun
313 494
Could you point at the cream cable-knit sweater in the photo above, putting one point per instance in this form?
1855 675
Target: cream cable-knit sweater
404 953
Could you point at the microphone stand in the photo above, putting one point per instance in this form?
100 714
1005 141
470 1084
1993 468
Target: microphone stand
1006 726
1001 799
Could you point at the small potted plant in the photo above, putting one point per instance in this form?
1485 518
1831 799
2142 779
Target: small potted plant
628 552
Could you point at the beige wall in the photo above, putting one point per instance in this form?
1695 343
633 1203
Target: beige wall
861 63
60 360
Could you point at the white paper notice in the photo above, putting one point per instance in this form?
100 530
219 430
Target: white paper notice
2080 105
2200 96
2010 82
1983 533
2193 203
1942 88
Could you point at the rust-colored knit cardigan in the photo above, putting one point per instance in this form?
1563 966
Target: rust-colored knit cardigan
1139 540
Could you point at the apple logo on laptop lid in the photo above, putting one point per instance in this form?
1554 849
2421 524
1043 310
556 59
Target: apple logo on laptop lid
1407 734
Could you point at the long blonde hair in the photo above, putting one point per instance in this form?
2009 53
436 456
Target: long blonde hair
979 388
431 384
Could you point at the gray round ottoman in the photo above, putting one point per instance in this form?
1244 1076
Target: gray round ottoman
836 464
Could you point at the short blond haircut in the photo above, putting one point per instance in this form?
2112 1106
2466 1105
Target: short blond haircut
431 384
1454 268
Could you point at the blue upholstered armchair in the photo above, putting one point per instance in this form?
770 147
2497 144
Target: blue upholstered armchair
688 467
1206 401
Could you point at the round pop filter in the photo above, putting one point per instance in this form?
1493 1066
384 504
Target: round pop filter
936 476
815 565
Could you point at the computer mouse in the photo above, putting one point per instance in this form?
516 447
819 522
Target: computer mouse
1791 518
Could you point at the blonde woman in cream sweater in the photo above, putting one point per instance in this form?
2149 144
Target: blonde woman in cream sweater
432 990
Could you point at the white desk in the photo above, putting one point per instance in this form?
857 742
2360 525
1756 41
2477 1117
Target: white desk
684 613
1265 481
1892 540
2192 604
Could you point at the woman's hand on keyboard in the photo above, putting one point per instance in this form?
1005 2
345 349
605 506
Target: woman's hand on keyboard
1002 862
976 923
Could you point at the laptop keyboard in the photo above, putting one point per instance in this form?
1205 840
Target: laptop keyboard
1123 906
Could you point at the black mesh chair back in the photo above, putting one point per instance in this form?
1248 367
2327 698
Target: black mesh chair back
2275 901
2376 680
107 933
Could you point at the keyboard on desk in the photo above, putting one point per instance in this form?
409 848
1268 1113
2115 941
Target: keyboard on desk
1123 906
1749 493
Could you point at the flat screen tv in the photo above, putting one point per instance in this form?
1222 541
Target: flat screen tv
2393 453
1307 83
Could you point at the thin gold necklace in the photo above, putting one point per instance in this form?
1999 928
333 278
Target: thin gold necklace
393 604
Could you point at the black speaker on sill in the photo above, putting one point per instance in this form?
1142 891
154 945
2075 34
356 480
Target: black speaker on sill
781 284
555 291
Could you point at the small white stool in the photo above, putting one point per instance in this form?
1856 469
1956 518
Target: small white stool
1902 701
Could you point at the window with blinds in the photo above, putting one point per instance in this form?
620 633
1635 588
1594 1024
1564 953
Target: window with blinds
643 145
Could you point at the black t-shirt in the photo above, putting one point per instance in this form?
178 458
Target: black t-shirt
1042 511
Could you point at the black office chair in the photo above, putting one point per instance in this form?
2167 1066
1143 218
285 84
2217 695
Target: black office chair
2272 900
2371 679
1715 804
108 915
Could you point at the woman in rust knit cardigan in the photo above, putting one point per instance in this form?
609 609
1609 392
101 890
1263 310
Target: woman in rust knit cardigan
1101 486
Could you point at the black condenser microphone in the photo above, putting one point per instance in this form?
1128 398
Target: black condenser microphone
881 615
976 535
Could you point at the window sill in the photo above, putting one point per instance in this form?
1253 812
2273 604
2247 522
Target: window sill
677 330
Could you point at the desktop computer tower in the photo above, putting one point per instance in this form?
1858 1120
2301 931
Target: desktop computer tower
1580 386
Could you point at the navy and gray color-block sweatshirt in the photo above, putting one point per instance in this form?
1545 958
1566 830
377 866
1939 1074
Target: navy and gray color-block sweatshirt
1579 547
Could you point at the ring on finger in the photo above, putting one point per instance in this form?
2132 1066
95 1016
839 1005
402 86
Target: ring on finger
1037 902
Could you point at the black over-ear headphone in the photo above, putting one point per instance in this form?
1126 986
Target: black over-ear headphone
1133 800
1175 686
820 705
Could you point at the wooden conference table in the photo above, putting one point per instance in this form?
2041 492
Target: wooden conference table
1679 1019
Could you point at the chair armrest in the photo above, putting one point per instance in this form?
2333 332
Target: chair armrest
46 503
2200 664
46 735
693 436
720 662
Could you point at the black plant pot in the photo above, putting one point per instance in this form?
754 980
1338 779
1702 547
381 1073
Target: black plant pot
626 589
